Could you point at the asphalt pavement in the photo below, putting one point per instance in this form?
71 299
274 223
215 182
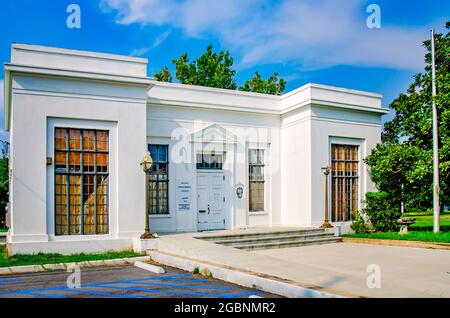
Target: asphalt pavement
120 282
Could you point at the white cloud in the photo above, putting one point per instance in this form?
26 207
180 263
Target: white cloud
310 34
157 42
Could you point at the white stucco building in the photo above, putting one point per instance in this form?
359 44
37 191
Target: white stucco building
80 122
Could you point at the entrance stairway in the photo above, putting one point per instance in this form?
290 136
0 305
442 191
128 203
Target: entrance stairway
275 239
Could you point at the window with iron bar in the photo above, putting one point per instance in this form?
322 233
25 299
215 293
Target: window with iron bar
81 181
344 182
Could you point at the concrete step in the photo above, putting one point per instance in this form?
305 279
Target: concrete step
274 238
260 234
294 243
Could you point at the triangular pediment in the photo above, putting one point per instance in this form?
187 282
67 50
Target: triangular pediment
214 133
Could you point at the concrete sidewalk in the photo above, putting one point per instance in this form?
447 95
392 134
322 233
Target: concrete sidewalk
339 269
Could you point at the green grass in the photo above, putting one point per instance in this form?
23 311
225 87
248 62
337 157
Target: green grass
424 236
53 258
3 230
424 222
421 230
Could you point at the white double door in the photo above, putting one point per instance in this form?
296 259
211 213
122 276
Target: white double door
211 200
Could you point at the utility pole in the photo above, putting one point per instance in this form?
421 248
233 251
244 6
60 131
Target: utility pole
436 206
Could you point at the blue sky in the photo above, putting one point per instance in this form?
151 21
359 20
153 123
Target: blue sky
321 41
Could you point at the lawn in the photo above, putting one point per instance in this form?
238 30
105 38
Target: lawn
425 236
422 230
424 222
53 258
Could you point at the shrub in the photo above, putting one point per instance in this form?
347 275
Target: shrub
381 214
378 215
359 224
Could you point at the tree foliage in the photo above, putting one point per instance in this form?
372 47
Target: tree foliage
4 182
163 75
273 85
402 165
210 69
215 70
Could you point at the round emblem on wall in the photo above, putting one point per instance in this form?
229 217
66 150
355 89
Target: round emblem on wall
239 191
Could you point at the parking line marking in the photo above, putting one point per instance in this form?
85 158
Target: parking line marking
158 291
93 292
186 280
131 282
36 291
169 281
10 280
165 278
184 286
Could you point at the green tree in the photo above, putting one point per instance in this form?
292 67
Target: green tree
163 75
215 70
402 165
4 182
210 69
273 85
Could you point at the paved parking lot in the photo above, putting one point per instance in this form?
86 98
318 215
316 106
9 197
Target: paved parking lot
121 282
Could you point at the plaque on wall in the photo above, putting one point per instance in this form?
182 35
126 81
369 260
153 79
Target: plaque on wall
184 195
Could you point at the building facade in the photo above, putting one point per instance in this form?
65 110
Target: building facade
80 122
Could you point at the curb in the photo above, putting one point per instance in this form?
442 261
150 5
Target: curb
63 266
149 267
400 243
270 284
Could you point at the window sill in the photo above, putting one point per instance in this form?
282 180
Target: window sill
160 216
250 213
341 223
79 237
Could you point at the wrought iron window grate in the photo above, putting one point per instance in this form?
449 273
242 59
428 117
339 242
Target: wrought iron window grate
344 182
81 181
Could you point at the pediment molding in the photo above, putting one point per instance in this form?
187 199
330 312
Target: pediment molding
214 133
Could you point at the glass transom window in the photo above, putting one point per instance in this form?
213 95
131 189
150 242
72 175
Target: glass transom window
206 161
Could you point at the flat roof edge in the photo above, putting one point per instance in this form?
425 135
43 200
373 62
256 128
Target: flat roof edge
36 70
107 56
215 90
331 88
